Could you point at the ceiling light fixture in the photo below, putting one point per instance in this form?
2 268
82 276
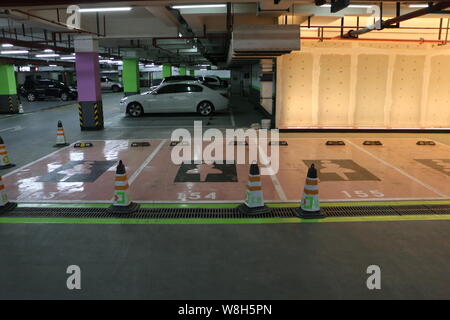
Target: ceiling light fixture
418 5
14 52
67 58
7 45
50 55
354 6
105 9
199 6
48 50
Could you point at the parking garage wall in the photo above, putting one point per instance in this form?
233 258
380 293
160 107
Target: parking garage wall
364 84
21 76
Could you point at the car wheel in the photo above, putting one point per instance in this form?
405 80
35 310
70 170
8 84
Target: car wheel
31 97
205 108
115 88
135 110
64 96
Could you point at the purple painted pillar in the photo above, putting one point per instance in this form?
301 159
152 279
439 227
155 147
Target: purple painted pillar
90 104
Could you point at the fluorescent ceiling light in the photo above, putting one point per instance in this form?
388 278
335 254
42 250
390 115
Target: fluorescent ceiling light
105 9
199 6
50 55
354 6
14 52
67 58
52 65
418 5
48 50
7 45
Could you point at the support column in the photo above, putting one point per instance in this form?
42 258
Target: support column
182 71
90 105
69 78
9 100
130 76
167 70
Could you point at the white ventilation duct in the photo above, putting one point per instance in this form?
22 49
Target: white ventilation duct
263 41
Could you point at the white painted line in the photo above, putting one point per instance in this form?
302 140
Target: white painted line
35 161
276 183
423 184
12 129
146 162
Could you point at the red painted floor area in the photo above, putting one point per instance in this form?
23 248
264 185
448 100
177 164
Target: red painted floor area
399 169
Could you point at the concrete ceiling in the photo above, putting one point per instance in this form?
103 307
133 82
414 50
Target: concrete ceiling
150 24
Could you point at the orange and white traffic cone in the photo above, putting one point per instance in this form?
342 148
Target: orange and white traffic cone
254 204
5 205
310 204
121 202
4 158
60 136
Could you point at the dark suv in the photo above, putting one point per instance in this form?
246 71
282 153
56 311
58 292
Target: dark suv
45 88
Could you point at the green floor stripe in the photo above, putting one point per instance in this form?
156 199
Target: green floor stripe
223 221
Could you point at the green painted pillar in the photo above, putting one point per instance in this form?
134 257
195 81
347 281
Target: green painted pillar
9 100
192 73
167 70
182 71
130 76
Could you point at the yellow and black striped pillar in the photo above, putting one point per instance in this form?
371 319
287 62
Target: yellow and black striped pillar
91 115
90 106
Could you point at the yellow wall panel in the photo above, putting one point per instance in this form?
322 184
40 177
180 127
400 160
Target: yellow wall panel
334 89
370 90
296 90
364 84
438 107
407 84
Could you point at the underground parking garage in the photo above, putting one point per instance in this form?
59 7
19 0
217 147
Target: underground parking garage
249 150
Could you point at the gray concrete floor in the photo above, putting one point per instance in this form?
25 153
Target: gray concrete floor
269 261
273 261
41 105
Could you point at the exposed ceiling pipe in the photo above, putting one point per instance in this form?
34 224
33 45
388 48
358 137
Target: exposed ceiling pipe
375 40
24 61
55 23
35 45
387 23
156 45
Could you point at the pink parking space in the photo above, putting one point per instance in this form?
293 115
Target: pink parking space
346 173
429 164
399 169
210 180
75 174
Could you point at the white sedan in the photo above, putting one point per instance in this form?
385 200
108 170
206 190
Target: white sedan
176 97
